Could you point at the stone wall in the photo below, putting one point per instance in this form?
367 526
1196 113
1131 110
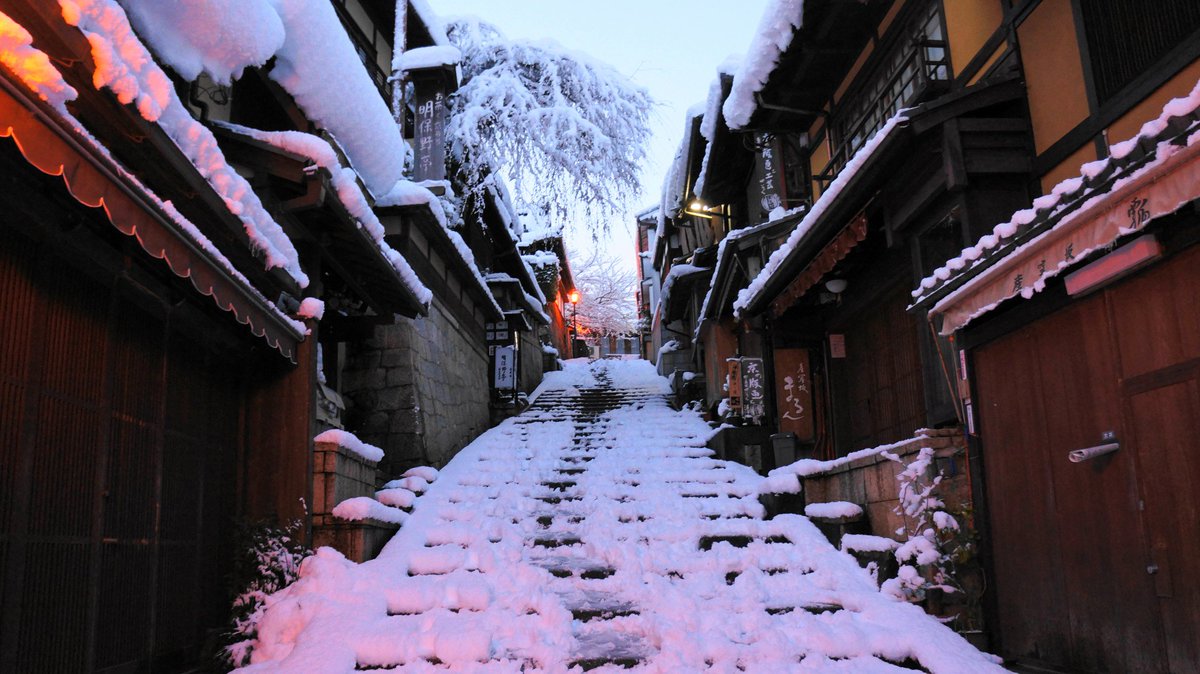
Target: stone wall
531 361
418 389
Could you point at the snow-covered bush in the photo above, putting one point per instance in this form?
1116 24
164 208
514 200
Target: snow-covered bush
938 541
267 558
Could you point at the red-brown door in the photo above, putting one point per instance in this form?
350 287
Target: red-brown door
1097 564
1067 538
1156 324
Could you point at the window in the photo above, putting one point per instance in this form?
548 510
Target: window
1125 39
901 75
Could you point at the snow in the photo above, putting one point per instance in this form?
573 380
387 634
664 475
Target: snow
774 35
311 307
347 191
427 473
124 66
540 258
217 37
319 66
1066 195
347 440
866 543
672 276
467 579
712 113
32 66
365 507
427 57
750 293
833 510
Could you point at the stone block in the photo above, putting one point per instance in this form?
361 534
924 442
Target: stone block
358 541
397 398
375 423
391 358
405 421
399 376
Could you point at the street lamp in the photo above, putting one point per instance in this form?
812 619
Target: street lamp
573 298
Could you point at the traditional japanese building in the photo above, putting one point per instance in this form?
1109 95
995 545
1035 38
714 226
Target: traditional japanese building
212 252
1077 329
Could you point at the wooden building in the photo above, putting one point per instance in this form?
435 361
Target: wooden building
1078 324
195 284
908 136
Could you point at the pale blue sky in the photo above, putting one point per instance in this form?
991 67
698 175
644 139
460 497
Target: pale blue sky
670 47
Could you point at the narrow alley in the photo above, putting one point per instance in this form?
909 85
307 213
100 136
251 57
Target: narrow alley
594 531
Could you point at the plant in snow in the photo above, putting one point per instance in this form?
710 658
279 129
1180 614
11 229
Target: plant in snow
938 544
267 559
570 132
606 289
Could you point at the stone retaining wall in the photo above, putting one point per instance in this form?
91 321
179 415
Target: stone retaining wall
418 390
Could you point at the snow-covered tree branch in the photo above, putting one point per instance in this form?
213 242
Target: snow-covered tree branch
569 133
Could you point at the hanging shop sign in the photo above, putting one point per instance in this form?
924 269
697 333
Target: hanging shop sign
793 393
504 369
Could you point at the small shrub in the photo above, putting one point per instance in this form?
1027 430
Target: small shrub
267 559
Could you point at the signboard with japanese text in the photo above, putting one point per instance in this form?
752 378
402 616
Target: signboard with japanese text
793 393
1097 225
504 372
754 393
430 134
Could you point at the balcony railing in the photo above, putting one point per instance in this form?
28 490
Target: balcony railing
919 69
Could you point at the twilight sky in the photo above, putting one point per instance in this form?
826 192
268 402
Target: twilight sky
670 47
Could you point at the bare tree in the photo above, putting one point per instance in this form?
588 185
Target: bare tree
607 292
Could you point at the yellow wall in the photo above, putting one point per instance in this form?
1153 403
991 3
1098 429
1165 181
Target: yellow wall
1053 72
890 16
1151 107
817 161
969 24
1069 168
1000 51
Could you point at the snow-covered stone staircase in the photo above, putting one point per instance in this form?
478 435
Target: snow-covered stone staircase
595 532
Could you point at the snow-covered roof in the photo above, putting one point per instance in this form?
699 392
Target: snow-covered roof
712 116
34 69
777 220
320 67
776 29
1177 126
124 66
428 57
675 182
217 37
348 192
753 293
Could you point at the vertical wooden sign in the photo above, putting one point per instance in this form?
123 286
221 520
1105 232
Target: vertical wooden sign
793 393
429 137
735 385
754 394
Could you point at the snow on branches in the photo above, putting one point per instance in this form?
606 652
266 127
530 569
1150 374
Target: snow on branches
569 132
607 290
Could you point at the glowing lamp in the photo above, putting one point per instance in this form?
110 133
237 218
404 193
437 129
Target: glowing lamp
573 297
